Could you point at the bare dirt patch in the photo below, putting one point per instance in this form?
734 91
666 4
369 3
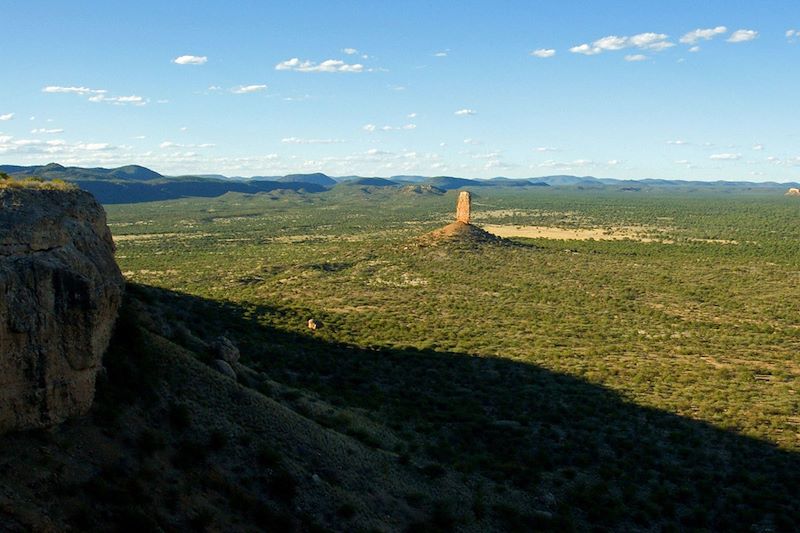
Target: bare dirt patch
570 234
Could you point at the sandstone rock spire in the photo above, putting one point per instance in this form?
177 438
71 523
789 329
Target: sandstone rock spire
463 207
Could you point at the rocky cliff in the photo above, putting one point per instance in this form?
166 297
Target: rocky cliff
60 290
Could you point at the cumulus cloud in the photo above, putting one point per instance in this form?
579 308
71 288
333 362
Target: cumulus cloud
248 89
95 95
546 149
725 157
411 115
678 142
56 89
45 130
372 127
543 52
7 116
792 35
329 65
465 112
635 57
644 41
39 148
758 147
350 51
702 34
120 100
190 60
473 142
442 53
650 41
298 140
694 49
742 36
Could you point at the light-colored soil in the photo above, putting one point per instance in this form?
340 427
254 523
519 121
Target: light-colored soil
569 234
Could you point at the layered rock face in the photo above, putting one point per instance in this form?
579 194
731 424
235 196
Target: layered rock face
60 290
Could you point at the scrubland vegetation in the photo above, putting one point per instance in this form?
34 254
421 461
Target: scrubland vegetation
645 383
34 182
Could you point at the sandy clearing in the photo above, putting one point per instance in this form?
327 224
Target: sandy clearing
550 232
151 236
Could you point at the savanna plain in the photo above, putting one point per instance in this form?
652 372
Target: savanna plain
620 360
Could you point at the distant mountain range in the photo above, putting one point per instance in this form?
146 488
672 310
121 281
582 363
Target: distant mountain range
134 183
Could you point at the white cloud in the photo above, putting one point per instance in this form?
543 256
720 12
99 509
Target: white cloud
7 116
585 49
465 112
473 142
742 36
650 41
725 157
546 149
644 41
699 34
120 100
694 49
329 65
170 144
72 90
758 147
612 42
297 140
350 51
678 142
443 53
190 60
635 57
45 130
248 89
369 127
792 35
95 95
398 128
543 52
93 147
411 115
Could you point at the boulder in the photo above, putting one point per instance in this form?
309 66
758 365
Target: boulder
224 368
61 290
313 324
793 191
225 349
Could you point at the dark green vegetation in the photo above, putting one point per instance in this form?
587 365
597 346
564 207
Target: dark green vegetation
618 384
462 384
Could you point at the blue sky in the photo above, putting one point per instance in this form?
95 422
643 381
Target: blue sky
630 89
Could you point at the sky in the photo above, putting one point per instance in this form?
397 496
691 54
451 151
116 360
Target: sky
700 90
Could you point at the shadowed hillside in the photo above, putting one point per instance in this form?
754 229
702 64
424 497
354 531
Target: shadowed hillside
332 436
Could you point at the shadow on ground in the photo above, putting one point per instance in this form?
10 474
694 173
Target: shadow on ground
587 456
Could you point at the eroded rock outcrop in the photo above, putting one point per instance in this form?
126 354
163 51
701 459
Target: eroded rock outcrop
60 290
463 207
